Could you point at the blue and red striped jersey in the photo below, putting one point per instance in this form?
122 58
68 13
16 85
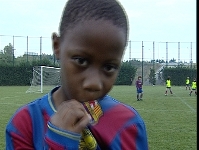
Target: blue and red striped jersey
119 128
138 84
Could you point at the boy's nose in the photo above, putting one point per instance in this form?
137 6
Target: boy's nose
93 82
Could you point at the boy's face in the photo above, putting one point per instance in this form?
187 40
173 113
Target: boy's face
90 55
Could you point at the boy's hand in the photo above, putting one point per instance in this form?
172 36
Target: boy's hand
71 116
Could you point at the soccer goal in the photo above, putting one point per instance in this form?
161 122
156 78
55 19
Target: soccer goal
44 79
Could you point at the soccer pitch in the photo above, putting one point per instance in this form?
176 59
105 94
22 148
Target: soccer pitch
170 120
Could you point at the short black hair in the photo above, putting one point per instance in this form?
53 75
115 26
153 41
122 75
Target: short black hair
77 11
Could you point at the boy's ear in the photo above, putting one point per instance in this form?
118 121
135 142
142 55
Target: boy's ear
56 45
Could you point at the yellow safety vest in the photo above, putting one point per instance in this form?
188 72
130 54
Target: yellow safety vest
194 85
168 83
187 81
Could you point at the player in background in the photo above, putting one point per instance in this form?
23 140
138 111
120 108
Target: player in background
193 87
168 86
188 84
138 85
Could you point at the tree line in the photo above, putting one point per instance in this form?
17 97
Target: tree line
18 71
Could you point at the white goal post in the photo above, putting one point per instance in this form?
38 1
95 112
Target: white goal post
44 79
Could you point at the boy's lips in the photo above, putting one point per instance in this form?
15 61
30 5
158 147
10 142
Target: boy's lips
89 97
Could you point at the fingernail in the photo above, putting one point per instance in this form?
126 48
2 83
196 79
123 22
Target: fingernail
91 120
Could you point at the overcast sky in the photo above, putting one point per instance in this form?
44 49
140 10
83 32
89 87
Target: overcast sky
160 21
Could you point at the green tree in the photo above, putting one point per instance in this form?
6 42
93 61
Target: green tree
152 78
172 61
6 57
126 74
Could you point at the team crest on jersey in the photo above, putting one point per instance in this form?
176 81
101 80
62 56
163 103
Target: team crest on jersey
94 109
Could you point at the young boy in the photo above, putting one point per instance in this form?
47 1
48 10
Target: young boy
138 85
193 87
188 83
168 86
79 114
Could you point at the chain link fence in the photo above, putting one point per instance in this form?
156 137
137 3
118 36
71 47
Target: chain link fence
179 52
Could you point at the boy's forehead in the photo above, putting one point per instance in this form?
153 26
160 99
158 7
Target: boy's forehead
103 29
95 38
87 24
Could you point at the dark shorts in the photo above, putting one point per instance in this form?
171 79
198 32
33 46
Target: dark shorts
139 91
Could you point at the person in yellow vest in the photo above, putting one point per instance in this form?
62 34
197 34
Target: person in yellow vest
168 86
193 87
188 84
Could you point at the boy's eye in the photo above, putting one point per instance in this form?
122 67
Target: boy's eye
110 68
81 61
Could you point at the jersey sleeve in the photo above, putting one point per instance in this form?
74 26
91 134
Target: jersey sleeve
26 131
19 131
56 138
136 84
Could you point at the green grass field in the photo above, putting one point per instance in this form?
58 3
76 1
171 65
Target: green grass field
170 120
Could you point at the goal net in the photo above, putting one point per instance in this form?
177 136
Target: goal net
44 79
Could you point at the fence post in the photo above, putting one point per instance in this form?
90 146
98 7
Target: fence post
191 54
129 50
142 61
13 53
166 54
27 50
178 53
153 55
40 47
